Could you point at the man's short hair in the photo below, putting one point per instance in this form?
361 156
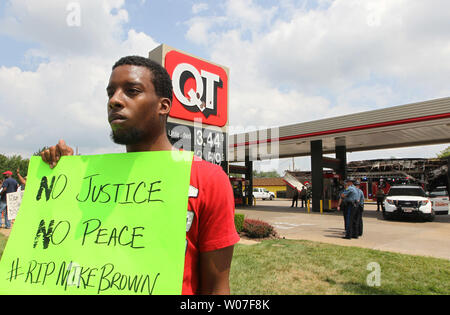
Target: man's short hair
160 78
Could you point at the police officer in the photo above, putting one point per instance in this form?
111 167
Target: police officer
359 221
351 197
342 206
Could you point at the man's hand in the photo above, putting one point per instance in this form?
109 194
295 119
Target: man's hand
52 155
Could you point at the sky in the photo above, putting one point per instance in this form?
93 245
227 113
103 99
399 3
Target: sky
290 61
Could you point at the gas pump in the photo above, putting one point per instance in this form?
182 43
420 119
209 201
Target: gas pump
331 189
236 183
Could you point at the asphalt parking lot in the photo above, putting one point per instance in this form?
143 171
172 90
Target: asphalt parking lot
407 236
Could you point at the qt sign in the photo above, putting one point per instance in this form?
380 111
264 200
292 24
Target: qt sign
200 89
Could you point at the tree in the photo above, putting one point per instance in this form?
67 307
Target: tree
38 152
13 163
262 174
444 154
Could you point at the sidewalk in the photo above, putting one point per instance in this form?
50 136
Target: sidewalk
403 236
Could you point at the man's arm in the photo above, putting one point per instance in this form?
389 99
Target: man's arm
216 233
52 155
215 270
22 180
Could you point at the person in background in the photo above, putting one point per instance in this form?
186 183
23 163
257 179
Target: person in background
342 206
295 198
21 179
303 194
9 185
351 197
359 213
380 198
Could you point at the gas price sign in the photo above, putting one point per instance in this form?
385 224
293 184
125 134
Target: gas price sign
206 143
198 119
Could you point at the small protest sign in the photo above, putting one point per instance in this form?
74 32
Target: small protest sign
13 201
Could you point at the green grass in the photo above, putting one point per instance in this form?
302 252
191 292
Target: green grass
303 267
3 240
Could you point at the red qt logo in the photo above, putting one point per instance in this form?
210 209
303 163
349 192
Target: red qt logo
199 89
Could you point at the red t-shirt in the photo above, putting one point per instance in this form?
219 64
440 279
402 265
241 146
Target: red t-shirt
210 218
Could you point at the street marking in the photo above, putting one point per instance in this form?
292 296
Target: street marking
287 226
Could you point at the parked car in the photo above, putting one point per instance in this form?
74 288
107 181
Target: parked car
407 200
262 193
272 194
439 200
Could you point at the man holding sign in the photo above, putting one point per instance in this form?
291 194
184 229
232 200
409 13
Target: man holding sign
140 98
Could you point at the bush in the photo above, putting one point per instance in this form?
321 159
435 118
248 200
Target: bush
258 229
239 222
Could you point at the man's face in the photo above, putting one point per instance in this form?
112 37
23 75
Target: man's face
132 105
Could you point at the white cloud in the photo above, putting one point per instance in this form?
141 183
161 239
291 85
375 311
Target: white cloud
198 31
65 96
355 54
294 62
306 60
46 22
199 7
248 15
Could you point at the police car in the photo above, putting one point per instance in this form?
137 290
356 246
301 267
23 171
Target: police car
407 200
439 200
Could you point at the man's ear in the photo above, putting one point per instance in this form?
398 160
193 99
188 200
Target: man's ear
165 106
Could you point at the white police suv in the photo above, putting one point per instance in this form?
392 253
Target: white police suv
407 200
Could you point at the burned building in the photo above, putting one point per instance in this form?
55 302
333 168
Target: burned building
427 172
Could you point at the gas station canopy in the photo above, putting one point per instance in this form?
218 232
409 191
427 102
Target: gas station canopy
422 123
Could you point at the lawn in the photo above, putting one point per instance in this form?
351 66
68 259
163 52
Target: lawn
291 267
3 240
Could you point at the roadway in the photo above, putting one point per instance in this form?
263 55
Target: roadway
407 236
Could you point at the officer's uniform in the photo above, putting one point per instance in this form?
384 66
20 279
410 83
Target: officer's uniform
343 206
351 197
359 222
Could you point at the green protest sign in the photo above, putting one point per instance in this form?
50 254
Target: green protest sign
104 224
